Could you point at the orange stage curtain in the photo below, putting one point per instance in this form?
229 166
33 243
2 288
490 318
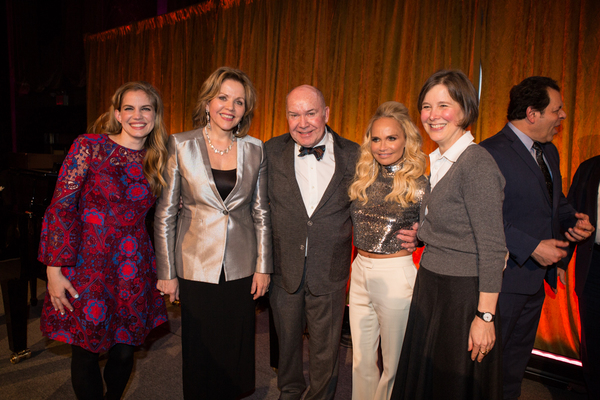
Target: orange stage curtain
361 54
358 53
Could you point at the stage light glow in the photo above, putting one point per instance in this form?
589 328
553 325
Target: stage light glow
556 357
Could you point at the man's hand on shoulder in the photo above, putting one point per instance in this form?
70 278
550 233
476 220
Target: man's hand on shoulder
582 229
550 251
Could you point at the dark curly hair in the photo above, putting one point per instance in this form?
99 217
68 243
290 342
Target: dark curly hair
531 92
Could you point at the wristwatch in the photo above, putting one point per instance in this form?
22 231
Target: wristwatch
486 316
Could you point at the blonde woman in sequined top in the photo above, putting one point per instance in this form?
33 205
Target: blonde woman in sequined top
386 196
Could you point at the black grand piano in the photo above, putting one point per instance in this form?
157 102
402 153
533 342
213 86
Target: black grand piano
23 200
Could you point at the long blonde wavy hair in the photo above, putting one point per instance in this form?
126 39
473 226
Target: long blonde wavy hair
155 144
414 164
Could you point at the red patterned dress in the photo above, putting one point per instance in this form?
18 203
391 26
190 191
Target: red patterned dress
94 228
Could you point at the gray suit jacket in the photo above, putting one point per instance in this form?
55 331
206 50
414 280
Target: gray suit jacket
329 229
194 242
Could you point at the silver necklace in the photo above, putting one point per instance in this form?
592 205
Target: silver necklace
221 152
389 171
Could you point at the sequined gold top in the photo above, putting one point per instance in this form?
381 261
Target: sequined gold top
376 222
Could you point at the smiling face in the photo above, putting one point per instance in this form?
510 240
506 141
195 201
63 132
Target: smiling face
307 116
546 123
228 107
387 141
441 117
137 117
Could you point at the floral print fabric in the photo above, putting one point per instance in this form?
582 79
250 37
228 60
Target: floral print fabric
95 230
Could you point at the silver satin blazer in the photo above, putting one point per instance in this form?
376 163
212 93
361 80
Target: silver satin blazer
207 233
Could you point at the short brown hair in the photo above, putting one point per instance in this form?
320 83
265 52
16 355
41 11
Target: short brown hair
460 89
210 89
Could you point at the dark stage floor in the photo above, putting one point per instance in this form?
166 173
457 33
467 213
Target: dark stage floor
157 375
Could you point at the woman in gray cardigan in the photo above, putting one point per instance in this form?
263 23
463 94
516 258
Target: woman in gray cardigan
449 347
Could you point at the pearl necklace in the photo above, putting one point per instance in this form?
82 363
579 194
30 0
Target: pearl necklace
221 152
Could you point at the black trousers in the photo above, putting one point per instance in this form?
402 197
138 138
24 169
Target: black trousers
519 318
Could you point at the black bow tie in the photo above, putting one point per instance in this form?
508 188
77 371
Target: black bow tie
317 151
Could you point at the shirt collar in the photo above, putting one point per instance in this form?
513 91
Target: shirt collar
526 140
455 150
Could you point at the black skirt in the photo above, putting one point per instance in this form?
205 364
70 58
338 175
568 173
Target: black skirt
217 338
435 363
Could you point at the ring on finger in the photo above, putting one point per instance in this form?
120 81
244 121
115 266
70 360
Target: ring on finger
484 352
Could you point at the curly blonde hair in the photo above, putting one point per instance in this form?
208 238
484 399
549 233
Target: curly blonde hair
155 144
414 164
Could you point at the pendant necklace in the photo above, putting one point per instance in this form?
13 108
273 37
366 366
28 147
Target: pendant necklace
221 152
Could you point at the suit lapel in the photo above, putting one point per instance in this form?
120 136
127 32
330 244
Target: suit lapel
207 167
288 168
241 154
338 175
528 159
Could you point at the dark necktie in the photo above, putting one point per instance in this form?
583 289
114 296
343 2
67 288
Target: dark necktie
539 156
317 151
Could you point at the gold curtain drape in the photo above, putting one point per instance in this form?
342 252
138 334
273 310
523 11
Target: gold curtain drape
361 54
358 53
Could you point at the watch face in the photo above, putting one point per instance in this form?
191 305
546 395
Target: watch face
487 317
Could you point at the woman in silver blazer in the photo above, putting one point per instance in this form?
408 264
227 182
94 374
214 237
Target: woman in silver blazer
213 237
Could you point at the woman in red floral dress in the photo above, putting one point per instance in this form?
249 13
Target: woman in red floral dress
102 294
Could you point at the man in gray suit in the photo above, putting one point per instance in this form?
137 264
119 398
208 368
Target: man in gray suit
309 171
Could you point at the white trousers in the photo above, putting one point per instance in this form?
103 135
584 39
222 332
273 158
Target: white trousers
380 293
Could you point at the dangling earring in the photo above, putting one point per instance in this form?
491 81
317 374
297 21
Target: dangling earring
208 119
237 132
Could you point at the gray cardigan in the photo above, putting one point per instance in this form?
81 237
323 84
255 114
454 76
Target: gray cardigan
463 229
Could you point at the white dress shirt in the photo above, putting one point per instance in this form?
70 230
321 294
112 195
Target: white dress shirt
314 176
441 163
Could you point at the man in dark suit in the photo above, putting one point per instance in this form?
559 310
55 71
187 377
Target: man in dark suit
309 171
537 217
584 195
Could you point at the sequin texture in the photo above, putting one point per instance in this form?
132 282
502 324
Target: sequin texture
376 223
